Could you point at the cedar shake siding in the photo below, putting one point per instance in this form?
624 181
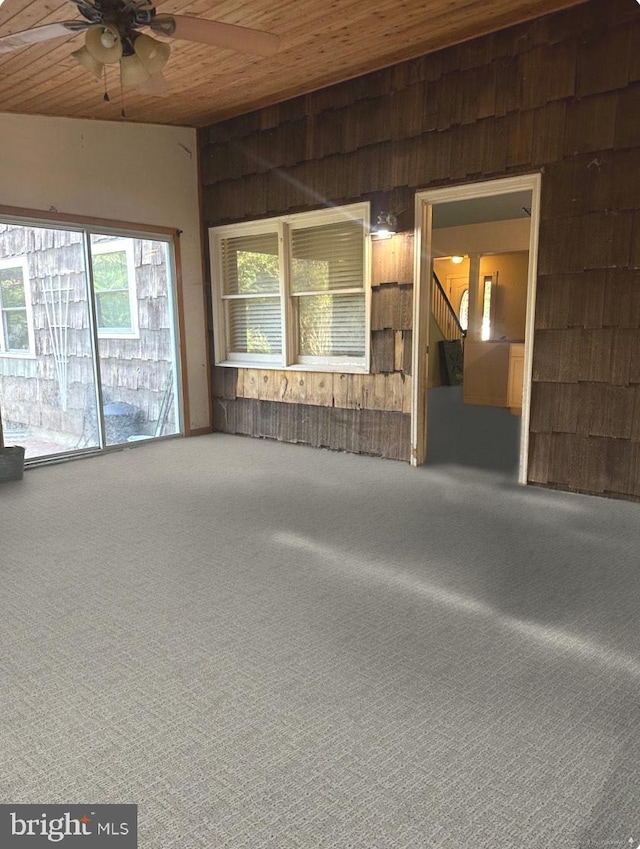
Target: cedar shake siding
559 95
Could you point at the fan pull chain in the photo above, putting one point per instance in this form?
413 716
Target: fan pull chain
122 112
106 93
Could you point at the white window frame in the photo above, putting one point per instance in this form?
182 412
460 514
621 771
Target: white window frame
111 247
289 358
19 262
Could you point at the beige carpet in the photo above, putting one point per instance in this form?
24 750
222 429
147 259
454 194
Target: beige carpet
265 645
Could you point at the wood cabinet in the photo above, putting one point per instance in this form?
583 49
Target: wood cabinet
516 377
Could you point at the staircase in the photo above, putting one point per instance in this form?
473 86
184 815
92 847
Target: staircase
444 314
445 340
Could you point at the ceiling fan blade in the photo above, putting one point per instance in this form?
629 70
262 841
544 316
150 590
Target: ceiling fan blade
89 10
216 33
19 40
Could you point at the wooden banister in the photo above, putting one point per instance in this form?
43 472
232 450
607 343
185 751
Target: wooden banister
443 312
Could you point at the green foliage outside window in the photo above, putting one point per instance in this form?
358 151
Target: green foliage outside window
258 341
325 310
314 313
16 329
315 323
12 292
111 284
14 310
258 273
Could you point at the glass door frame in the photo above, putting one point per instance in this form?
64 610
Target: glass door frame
88 226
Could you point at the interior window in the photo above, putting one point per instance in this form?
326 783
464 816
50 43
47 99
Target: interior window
463 310
292 291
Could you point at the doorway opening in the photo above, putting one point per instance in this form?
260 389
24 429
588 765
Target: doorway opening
476 259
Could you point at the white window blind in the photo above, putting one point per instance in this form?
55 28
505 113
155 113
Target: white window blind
292 292
251 265
251 290
332 326
328 258
327 281
255 326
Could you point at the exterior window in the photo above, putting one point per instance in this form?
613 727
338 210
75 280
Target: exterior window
114 285
293 292
16 325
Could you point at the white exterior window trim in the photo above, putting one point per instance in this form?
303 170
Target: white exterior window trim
283 225
111 247
22 263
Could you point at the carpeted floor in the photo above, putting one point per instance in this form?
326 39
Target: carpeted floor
470 434
266 645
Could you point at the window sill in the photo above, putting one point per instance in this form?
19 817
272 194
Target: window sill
124 335
326 368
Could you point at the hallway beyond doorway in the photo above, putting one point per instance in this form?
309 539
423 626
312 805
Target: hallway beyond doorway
469 434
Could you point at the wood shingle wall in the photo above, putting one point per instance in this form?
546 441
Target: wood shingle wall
559 95
361 413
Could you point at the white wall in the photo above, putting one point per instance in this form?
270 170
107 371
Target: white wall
135 173
510 308
486 238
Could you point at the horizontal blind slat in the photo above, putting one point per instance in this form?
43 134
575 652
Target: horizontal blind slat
328 257
332 325
255 326
251 264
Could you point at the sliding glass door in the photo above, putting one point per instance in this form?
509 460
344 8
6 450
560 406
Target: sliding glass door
87 339
47 373
136 340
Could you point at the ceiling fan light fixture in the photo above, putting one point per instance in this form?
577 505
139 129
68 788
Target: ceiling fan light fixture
84 58
103 43
132 71
152 53
155 86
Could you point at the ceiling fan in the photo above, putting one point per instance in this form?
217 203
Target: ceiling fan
112 35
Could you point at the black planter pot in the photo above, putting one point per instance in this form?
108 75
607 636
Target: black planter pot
11 463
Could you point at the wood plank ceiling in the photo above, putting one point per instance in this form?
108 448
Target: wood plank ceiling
321 44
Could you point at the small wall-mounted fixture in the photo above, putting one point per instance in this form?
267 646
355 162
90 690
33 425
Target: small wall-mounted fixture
385 226
456 260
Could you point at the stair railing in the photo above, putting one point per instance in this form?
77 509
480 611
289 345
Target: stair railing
444 313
